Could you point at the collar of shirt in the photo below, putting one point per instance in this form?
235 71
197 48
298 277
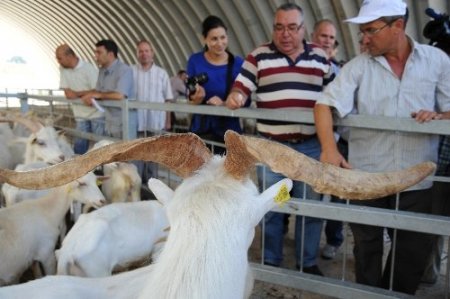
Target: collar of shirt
141 69
111 68
306 47
79 64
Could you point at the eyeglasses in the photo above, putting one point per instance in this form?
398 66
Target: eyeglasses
291 28
369 32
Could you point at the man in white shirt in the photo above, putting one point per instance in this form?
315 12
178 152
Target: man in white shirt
77 75
395 77
152 84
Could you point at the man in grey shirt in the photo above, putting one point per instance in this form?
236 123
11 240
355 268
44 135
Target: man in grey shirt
115 82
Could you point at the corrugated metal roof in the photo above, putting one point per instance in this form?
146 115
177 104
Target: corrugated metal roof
173 26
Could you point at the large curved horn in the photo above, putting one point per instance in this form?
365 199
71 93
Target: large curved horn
324 178
183 153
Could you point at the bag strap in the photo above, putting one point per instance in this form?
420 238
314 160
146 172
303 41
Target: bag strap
229 77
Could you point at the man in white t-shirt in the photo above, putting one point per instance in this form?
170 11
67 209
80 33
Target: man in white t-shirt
77 75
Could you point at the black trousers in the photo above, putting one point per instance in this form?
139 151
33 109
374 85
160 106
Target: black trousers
411 252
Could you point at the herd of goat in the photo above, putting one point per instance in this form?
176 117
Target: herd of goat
196 235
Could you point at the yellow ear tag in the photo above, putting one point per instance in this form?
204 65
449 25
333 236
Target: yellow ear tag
282 195
98 182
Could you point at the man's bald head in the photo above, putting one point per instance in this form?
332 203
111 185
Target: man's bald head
65 56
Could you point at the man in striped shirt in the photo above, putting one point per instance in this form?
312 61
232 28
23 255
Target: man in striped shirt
286 73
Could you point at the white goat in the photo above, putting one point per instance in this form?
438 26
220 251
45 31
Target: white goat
29 230
15 195
125 285
113 236
212 220
6 135
6 159
121 182
40 145
213 212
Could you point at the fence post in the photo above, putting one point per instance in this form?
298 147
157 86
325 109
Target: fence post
52 107
23 97
125 119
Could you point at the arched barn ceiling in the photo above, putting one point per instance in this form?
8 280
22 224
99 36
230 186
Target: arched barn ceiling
173 26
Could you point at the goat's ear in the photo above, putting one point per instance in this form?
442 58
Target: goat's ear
277 192
162 192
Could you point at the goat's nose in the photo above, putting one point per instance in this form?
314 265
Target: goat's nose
61 157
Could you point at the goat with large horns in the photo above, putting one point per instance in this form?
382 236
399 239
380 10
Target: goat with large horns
213 212
185 153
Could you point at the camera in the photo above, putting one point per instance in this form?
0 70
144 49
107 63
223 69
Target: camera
438 30
194 80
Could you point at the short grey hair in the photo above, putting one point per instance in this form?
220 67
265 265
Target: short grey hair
290 6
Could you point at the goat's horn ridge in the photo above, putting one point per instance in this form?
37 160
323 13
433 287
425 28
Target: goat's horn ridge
182 153
324 178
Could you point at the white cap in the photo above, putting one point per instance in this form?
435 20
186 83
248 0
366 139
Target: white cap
372 10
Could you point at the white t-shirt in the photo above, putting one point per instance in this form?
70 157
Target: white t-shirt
82 77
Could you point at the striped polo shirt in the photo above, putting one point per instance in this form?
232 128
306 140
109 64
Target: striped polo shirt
280 82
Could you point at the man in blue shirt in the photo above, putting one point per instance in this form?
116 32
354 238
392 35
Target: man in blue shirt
115 82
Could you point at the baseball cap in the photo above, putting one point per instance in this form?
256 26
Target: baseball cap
372 10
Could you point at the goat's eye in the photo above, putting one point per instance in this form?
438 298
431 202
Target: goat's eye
82 184
40 142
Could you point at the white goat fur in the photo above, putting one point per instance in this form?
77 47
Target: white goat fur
15 195
122 181
29 230
125 285
43 146
6 135
212 219
112 236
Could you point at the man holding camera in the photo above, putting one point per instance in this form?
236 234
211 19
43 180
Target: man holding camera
395 77
286 73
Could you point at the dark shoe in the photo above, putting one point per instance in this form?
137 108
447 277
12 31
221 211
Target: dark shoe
314 270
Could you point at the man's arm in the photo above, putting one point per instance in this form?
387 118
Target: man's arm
72 94
111 95
323 120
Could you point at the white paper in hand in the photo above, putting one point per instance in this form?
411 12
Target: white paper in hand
97 105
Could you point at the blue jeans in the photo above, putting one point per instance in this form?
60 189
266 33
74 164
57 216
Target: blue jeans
146 170
275 223
95 126
333 230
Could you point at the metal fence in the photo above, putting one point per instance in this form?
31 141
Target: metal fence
339 287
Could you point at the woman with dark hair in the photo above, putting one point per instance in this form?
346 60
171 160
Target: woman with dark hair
221 68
